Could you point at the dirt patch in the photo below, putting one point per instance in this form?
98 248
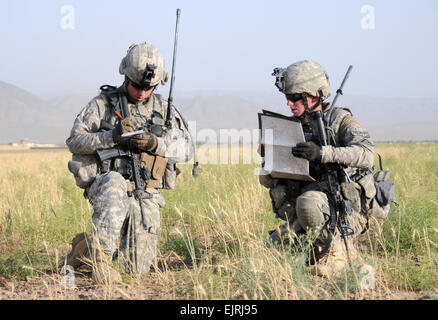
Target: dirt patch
52 287
146 287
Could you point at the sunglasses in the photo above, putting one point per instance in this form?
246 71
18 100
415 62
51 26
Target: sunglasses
139 87
294 97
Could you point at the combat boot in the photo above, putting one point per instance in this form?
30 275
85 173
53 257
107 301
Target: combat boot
103 273
335 261
80 251
284 236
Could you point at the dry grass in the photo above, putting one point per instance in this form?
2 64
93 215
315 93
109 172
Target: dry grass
214 228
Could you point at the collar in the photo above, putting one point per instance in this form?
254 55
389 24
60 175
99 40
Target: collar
326 107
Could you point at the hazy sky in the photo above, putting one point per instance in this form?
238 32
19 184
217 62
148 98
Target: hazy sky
223 45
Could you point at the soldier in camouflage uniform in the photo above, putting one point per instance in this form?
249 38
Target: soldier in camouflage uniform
118 231
305 205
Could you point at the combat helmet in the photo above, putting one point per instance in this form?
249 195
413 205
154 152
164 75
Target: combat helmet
303 77
144 65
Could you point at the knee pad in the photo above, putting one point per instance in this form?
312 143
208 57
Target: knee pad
311 209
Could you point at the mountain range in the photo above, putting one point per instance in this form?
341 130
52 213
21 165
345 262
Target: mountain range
49 119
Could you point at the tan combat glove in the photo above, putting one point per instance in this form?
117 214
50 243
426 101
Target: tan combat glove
145 142
125 125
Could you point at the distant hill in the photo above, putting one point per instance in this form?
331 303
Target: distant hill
387 119
25 115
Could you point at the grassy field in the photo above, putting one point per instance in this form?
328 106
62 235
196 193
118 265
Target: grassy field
214 227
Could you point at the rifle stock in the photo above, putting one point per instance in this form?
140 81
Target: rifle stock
107 154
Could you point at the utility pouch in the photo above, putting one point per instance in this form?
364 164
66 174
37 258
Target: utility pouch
169 179
385 188
368 192
84 169
157 166
385 192
379 191
350 191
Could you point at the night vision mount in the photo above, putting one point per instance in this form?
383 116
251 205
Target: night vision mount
148 75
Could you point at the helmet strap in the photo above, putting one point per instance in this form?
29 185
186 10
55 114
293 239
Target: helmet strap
306 105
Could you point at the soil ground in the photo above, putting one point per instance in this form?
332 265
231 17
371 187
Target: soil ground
51 286
144 287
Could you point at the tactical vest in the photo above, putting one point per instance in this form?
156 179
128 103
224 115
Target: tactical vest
332 128
158 116
162 175
337 117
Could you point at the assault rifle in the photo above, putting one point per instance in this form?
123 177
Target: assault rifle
136 173
335 175
139 175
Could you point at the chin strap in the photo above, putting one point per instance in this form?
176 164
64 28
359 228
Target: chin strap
306 106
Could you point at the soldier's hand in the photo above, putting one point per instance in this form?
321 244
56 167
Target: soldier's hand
145 141
307 150
123 126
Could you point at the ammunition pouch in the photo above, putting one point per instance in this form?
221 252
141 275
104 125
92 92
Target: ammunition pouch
157 166
105 165
377 194
160 174
368 192
351 191
84 169
170 174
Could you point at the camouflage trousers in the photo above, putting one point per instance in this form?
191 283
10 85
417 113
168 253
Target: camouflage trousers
310 211
117 222
313 212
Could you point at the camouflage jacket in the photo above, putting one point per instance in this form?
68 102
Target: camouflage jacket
351 144
89 135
